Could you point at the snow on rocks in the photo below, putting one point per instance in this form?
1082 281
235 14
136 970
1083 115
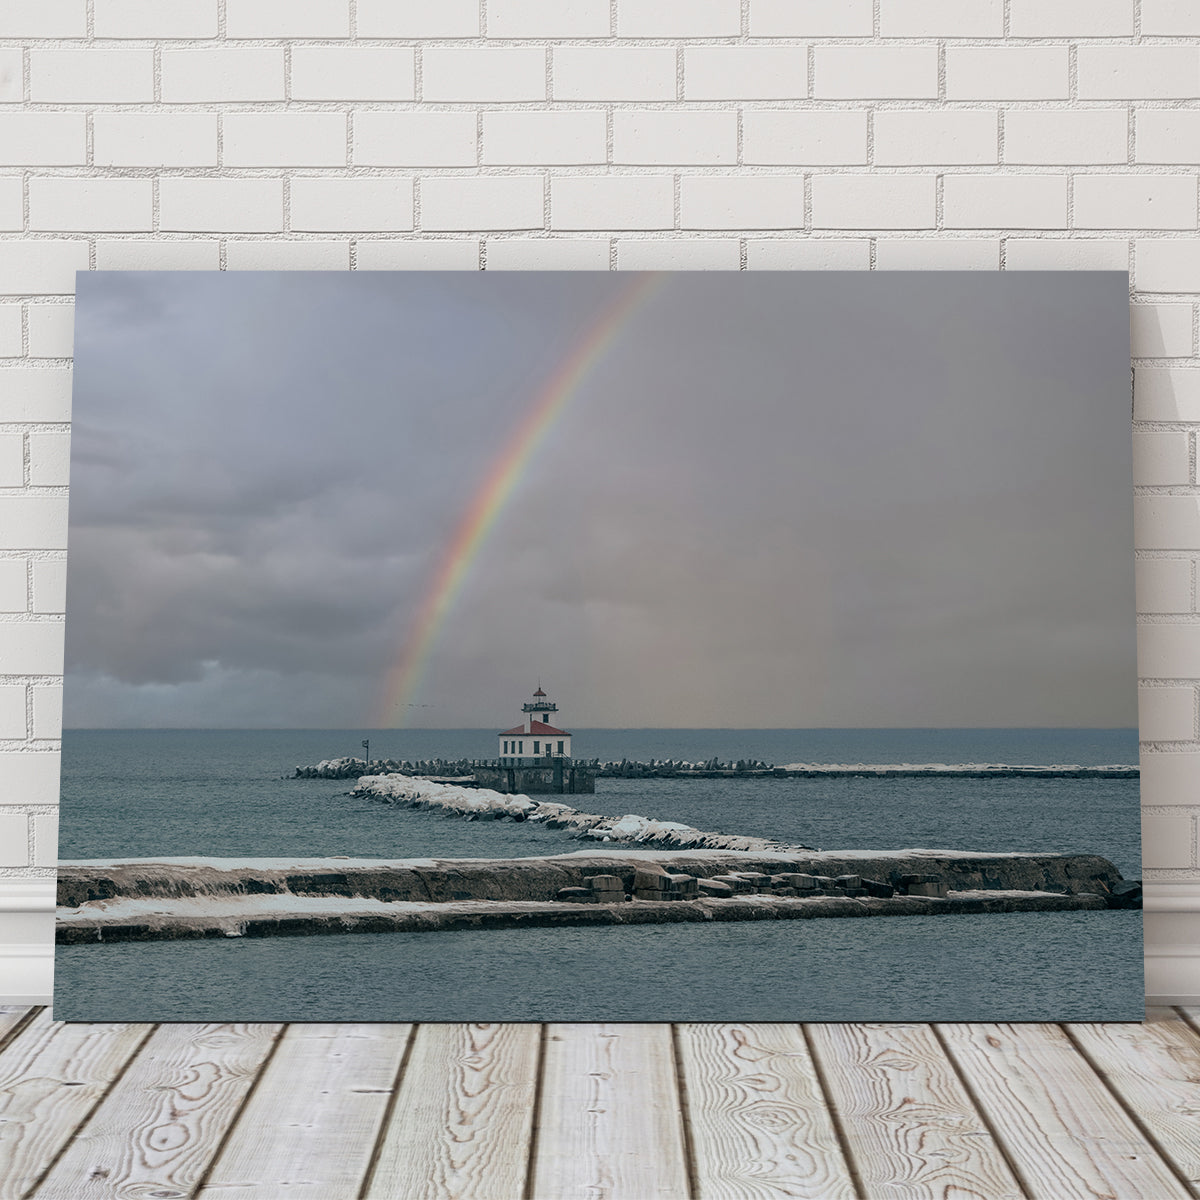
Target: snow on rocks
477 803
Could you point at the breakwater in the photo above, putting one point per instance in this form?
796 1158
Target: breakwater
197 898
464 770
476 803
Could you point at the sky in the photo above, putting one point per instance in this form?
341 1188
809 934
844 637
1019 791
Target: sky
776 500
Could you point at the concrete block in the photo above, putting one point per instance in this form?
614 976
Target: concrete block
876 72
745 73
1007 73
613 73
713 887
469 74
43 139
193 204
811 18
418 19
155 19
216 76
91 76
576 895
1147 72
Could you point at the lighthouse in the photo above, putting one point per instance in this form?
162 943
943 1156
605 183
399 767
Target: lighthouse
535 741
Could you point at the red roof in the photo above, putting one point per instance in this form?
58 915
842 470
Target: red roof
536 729
539 692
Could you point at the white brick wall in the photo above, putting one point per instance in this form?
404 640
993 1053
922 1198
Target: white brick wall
589 135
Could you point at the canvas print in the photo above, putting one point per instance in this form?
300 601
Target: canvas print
571 646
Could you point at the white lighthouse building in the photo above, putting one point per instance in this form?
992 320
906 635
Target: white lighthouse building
536 741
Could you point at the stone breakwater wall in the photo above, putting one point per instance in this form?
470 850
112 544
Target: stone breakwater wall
353 768
541 879
486 805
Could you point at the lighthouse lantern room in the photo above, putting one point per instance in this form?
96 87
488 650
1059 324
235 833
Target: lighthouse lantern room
535 741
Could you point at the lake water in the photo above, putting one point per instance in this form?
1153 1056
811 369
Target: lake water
143 794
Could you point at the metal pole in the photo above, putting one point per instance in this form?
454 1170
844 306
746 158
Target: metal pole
367 748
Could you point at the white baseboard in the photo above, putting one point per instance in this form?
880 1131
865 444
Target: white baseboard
27 942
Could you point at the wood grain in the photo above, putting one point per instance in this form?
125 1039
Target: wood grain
1060 1125
160 1126
310 1127
759 1126
610 1127
1155 1069
461 1124
12 1018
51 1076
910 1127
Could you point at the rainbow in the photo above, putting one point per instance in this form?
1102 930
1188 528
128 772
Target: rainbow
489 500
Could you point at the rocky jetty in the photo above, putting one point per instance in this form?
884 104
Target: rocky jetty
150 900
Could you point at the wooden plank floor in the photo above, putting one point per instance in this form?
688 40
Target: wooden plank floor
599 1112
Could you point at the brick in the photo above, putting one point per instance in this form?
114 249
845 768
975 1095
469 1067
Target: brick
1161 458
33 523
91 76
941 18
309 139
12 460
43 139
10 331
873 202
45 839
483 202
51 330
12 711
1170 18
468 74
742 202
547 254
811 18
1138 72
12 76
1160 330
678 18
156 18
1167 714
1166 394
745 73
612 202
13 585
783 137
613 73
1166 135
41 267
1169 779
1065 254
1167 841
558 138
1168 651
547 18
1167 523
1167 266
1004 202
259 255
158 254
353 73
1164 585
47 711
952 136
190 204
418 19
172 139
666 136
416 139
1072 18
1035 135
49 585
49 459
31 647
12 216
937 254
1007 73
443 254
807 254
1134 201
346 205
287 18
14 839
32 394
44 19
691 254
30 777
219 76
878 72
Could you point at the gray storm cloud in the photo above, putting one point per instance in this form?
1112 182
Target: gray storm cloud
778 499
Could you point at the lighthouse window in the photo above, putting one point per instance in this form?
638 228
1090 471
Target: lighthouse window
560 747
535 748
